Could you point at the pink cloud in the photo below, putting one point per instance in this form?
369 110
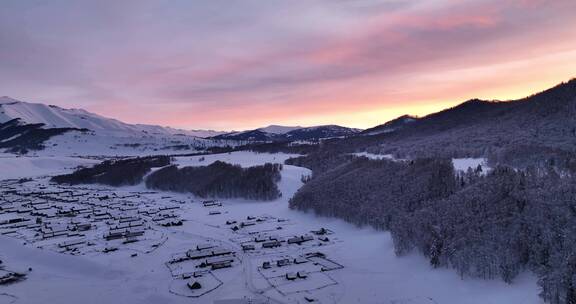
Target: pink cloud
267 65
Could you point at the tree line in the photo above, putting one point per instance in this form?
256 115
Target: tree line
114 172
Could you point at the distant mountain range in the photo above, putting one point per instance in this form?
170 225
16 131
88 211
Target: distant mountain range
56 117
475 128
26 126
280 133
51 116
52 130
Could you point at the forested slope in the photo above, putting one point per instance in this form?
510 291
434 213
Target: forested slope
479 128
376 192
493 225
114 172
504 223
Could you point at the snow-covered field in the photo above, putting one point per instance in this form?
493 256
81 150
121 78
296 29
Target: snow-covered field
98 144
371 272
12 166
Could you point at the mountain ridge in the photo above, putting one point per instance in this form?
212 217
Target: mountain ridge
57 117
476 128
391 125
289 133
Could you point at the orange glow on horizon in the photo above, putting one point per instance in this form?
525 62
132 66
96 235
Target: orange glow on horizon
351 63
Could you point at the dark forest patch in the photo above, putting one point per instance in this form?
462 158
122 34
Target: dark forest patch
220 180
114 172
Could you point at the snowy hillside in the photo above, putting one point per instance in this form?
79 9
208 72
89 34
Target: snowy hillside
55 117
48 130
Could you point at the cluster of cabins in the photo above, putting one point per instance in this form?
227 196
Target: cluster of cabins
196 266
13 223
270 241
250 221
78 215
284 262
208 255
163 215
83 217
212 203
53 229
264 238
318 262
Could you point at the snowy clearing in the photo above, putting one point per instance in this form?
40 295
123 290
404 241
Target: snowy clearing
25 166
463 164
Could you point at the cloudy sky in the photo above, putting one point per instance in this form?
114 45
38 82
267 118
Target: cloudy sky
237 64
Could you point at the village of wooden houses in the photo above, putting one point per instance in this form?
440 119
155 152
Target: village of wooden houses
199 246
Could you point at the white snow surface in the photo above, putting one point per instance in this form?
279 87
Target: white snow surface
96 144
371 274
12 167
106 136
462 164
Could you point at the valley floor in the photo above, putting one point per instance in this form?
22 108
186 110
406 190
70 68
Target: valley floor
366 269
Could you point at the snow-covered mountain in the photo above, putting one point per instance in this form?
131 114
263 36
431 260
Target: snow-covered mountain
47 129
281 133
56 117
41 129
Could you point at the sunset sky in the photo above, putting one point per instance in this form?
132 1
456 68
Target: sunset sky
239 64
